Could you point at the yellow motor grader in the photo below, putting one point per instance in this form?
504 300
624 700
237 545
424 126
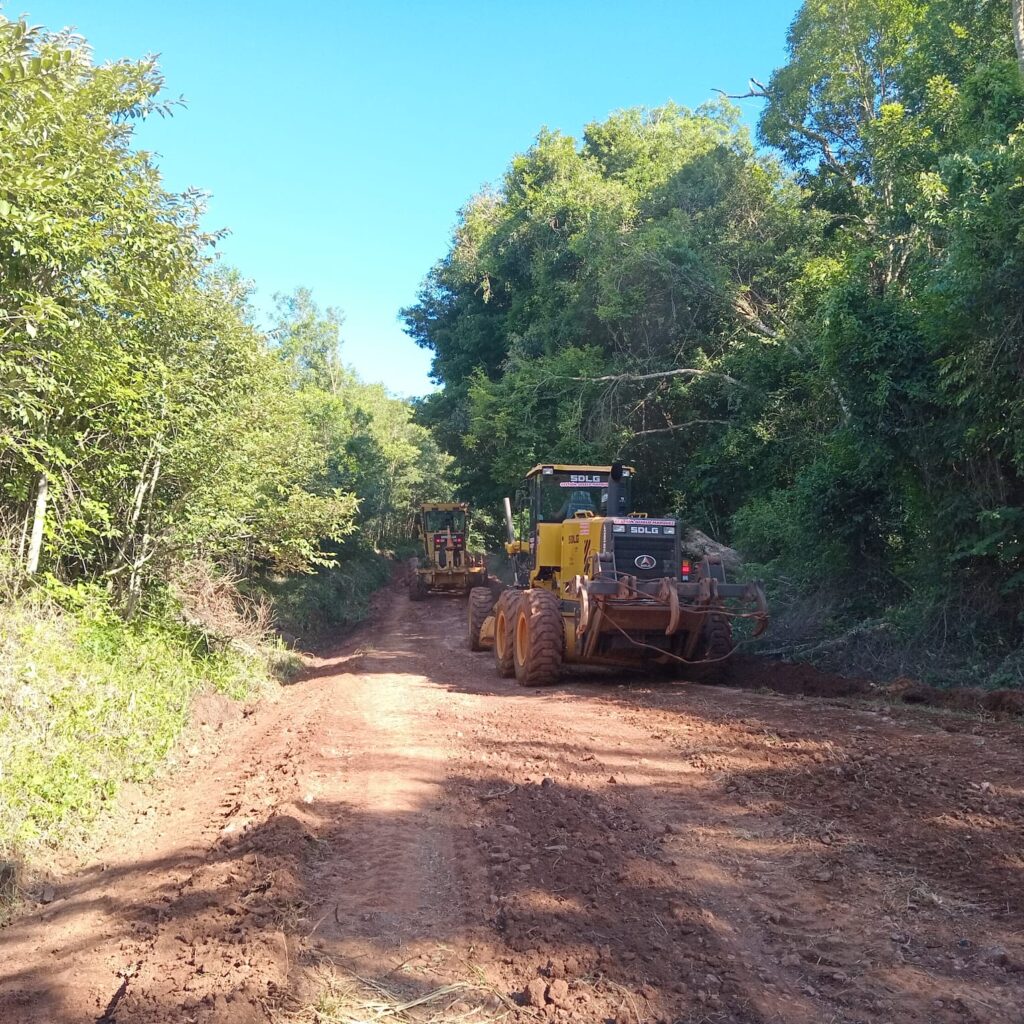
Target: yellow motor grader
597 583
442 529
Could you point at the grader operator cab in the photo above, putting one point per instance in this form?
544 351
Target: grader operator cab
444 564
598 583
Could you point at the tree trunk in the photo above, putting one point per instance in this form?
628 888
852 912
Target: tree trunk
35 545
139 497
135 580
1017 11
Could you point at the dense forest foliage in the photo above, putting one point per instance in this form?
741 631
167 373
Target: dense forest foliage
811 348
146 421
172 477
809 342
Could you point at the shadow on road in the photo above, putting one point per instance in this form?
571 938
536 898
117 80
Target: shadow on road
638 851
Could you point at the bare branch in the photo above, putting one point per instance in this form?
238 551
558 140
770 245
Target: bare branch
744 308
755 95
671 428
635 377
758 90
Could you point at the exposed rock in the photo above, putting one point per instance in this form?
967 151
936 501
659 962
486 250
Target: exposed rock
533 994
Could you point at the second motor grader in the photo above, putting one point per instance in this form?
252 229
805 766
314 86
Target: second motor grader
599 583
444 563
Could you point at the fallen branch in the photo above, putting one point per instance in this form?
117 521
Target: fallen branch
861 630
497 793
614 378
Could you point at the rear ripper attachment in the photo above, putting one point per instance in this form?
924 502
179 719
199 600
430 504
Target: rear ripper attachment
640 600
598 583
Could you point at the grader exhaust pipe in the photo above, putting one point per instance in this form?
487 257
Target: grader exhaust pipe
510 526
615 490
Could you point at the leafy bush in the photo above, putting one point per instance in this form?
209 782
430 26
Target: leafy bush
152 439
88 701
309 608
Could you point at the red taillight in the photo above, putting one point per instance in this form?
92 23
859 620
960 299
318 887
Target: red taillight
685 568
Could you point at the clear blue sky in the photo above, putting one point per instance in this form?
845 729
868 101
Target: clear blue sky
339 139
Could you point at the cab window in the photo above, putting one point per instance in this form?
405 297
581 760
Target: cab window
438 521
559 496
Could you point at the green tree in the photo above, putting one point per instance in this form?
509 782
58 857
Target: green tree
142 417
818 358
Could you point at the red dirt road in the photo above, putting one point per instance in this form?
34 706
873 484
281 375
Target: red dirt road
610 849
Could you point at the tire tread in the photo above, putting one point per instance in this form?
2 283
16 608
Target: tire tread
547 639
481 601
509 604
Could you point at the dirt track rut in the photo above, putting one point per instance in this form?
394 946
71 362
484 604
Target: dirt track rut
610 849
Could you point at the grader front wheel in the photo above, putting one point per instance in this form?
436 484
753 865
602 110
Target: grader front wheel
480 604
505 612
538 639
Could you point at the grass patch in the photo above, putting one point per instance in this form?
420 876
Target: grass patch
88 702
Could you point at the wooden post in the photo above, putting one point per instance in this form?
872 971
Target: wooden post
35 545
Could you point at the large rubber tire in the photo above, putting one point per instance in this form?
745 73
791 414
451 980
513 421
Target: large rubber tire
480 604
539 640
417 589
505 612
717 647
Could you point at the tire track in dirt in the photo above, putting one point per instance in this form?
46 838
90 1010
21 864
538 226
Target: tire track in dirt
394 877
657 933
608 849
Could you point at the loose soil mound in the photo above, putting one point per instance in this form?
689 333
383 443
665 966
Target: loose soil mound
801 679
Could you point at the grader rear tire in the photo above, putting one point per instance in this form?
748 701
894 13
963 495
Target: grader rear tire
480 604
539 639
505 612
718 645
417 588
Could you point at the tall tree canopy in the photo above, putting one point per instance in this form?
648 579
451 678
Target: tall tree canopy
144 419
817 354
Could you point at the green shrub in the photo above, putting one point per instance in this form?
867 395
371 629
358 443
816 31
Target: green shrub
309 607
88 701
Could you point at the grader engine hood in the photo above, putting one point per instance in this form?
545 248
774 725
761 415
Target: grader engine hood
645 548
